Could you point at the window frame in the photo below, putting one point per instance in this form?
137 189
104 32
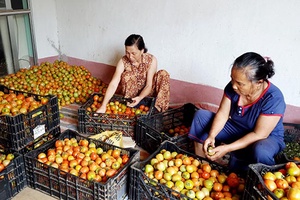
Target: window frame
9 13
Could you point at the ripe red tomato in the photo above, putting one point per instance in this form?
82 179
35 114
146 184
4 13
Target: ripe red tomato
205 175
233 182
125 159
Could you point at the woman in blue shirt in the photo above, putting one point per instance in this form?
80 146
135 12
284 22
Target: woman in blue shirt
249 121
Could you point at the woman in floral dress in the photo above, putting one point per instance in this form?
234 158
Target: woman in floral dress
137 76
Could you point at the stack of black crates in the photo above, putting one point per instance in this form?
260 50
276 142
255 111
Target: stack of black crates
20 134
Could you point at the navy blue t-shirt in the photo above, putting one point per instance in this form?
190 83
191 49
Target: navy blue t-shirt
271 102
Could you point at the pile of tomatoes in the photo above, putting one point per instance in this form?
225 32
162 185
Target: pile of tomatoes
5 160
193 178
70 83
14 104
284 182
83 159
116 107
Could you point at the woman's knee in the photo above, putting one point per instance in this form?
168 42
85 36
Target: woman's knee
262 153
204 115
163 73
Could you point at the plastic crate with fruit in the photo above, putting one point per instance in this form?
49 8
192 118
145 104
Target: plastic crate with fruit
88 123
12 174
292 141
258 188
173 173
25 117
172 125
77 178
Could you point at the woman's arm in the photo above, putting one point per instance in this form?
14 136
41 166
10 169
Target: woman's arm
147 89
219 121
264 126
112 87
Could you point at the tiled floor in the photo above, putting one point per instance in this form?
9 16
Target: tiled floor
29 193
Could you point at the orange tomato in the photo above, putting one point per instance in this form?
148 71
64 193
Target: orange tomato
1 167
296 185
219 195
205 175
125 159
83 176
146 108
59 143
195 175
158 174
116 153
226 188
197 182
217 187
110 172
270 184
281 183
233 175
178 162
29 99
214 173
206 167
142 107
186 160
293 194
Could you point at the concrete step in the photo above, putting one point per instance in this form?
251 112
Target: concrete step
70 117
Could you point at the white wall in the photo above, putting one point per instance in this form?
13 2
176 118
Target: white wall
195 40
45 27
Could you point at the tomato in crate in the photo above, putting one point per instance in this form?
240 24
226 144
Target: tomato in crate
12 174
77 167
273 182
172 125
35 115
173 173
118 116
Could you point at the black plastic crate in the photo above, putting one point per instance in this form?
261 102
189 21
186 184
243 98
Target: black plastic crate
47 137
255 187
62 185
90 124
141 187
152 131
13 178
20 130
292 141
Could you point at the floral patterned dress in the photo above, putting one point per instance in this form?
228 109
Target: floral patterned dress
133 80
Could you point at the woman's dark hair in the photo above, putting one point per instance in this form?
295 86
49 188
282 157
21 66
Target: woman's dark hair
137 40
256 67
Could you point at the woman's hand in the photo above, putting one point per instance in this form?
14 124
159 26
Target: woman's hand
218 152
135 101
208 142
